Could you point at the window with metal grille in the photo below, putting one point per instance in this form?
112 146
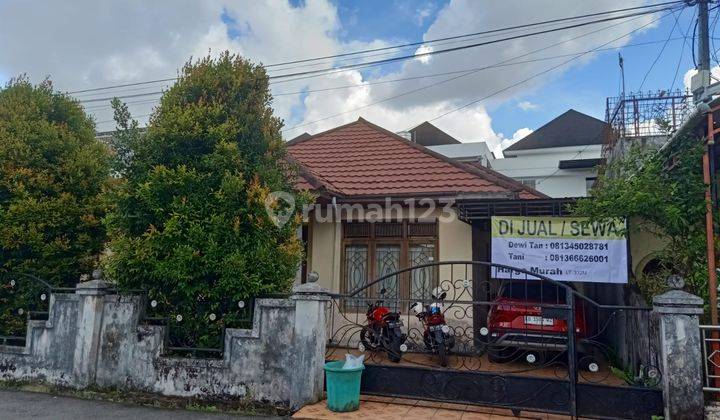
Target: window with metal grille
373 251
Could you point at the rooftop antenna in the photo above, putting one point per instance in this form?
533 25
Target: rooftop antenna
622 74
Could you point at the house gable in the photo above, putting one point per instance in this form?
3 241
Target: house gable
361 159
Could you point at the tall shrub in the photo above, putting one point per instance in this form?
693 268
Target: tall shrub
53 173
664 192
191 224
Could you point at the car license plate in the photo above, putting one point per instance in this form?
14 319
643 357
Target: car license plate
538 320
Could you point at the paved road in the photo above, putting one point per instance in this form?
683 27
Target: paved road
31 405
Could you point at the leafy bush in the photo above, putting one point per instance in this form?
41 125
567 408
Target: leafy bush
190 224
53 174
665 192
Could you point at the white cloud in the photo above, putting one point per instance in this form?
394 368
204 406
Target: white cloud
424 49
422 14
505 142
521 134
527 105
687 77
87 43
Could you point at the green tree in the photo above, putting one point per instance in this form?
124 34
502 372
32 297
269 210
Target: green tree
191 224
53 174
664 193
125 139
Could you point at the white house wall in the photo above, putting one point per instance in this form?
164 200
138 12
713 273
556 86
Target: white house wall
541 165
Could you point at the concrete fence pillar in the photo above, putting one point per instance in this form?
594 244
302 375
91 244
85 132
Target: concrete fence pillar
87 342
311 303
680 352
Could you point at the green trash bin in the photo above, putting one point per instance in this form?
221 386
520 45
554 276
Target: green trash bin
343 386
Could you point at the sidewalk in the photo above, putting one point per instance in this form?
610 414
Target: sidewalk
381 408
31 405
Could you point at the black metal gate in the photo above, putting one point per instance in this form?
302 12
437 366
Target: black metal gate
534 343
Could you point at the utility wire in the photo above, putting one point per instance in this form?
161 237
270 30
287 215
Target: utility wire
379 82
712 35
463 75
682 54
662 49
492 31
418 55
397 51
588 146
460 48
548 70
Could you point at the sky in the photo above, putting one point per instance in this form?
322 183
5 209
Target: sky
87 44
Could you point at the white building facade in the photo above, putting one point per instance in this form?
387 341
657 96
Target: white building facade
559 159
568 171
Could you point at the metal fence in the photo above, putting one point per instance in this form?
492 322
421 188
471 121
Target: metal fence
197 331
710 336
499 336
23 297
200 331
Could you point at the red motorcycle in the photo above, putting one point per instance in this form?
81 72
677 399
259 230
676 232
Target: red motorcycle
383 331
438 336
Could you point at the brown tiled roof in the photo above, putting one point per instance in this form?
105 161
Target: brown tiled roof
361 159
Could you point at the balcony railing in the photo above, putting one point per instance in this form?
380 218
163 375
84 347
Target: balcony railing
645 115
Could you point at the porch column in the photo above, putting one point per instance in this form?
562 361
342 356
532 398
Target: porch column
680 352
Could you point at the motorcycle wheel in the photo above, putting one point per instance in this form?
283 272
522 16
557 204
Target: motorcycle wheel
441 350
393 352
367 338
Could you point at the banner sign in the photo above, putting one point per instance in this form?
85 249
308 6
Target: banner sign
561 248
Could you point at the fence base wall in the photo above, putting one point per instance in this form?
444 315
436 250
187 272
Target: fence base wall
94 338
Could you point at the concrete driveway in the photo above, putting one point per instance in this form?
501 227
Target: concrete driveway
31 405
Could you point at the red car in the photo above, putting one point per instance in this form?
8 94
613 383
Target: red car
516 326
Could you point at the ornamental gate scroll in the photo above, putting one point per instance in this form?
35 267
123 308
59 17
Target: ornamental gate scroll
532 344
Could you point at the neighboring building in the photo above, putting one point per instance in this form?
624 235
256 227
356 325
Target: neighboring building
474 152
361 164
427 134
559 159
441 142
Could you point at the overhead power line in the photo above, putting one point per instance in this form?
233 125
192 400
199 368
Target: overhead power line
461 48
495 93
389 81
682 54
491 31
548 70
662 49
655 8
